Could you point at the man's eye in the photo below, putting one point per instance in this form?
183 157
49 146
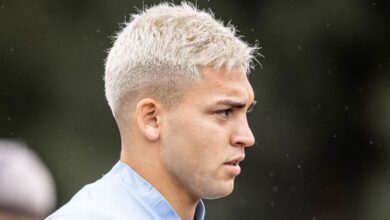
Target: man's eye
225 113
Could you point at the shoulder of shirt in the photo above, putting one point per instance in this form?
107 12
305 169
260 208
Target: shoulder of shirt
107 198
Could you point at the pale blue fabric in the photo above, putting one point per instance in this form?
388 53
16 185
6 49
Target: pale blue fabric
121 194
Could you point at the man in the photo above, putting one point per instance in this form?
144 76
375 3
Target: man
27 190
176 82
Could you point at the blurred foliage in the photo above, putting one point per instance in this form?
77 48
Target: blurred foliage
322 122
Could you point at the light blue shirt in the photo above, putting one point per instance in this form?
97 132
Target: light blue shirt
119 195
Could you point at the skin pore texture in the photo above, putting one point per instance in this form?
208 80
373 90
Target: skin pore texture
191 151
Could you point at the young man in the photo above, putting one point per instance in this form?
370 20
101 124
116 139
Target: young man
176 82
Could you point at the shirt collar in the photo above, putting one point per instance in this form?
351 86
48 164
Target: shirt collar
200 211
149 195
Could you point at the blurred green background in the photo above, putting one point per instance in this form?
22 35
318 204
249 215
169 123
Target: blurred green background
322 122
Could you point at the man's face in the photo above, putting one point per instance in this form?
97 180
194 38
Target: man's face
204 136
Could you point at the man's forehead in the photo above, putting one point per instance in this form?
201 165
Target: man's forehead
222 76
217 72
221 83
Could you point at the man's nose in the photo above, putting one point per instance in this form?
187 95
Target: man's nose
242 135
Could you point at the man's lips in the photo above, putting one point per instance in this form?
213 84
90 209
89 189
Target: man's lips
233 165
235 161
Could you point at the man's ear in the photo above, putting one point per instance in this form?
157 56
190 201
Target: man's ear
147 117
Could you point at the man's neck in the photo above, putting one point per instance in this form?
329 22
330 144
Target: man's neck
152 171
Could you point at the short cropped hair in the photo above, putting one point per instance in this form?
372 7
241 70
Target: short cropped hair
167 44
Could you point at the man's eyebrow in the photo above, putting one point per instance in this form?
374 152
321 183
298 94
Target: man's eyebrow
235 104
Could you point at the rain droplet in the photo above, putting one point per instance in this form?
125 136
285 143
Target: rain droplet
252 29
275 188
379 65
329 72
346 108
327 24
271 174
313 218
286 155
11 49
299 166
371 142
333 135
8 118
272 204
97 31
374 4
299 47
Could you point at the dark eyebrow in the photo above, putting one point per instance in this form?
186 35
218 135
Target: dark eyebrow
235 104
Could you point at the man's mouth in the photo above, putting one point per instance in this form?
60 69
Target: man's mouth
233 163
235 160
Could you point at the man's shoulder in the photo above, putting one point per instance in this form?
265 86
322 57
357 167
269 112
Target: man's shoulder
107 198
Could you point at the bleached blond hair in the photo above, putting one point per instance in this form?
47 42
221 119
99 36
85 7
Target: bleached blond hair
165 45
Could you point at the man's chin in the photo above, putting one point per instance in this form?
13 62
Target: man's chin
220 192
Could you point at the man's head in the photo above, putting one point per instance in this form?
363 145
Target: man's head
159 52
176 79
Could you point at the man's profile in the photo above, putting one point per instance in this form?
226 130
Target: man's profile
176 82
